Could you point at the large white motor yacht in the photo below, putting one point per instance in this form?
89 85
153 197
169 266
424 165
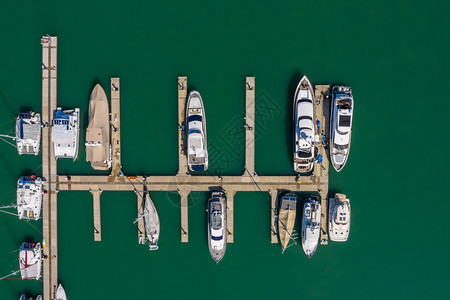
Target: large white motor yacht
217 225
339 218
98 149
28 133
29 197
30 260
311 226
65 133
197 149
304 119
341 125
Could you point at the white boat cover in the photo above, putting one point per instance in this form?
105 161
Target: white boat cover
97 134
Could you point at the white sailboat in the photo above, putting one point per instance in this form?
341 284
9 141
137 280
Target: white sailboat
339 218
197 149
65 133
60 293
28 133
311 226
30 260
304 119
29 197
341 125
151 222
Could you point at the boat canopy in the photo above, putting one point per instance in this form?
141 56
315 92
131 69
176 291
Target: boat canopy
194 118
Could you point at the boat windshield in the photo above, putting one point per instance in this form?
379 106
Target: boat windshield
216 220
344 120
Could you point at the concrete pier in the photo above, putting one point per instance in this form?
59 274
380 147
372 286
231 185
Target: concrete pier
320 173
249 126
230 215
49 166
97 213
184 205
182 94
116 171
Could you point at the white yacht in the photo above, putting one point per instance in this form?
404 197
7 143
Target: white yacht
311 226
217 225
65 133
197 149
98 149
304 119
28 133
151 222
339 218
340 125
29 197
286 219
30 260
60 293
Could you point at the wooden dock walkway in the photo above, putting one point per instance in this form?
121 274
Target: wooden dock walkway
49 167
140 222
249 126
97 212
184 205
182 94
230 215
320 173
273 222
116 171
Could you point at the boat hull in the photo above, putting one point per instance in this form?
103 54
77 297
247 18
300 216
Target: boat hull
197 143
61 293
311 227
338 232
151 222
286 219
339 152
304 126
217 200
98 151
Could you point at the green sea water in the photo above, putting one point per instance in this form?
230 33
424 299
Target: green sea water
393 53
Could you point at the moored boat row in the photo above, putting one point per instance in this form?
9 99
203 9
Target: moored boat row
305 126
286 216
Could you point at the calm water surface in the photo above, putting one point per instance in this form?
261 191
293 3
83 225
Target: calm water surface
393 53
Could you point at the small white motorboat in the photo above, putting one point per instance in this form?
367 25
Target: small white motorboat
339 218
311 226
